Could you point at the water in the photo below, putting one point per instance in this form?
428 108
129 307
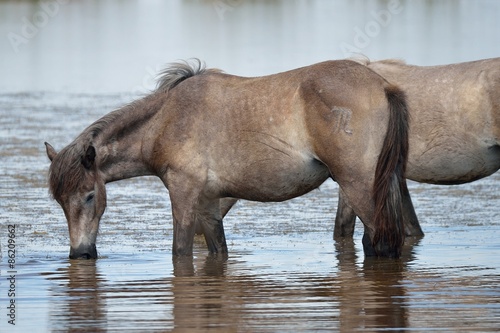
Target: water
284 272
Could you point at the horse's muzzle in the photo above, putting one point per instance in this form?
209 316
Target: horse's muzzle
83 252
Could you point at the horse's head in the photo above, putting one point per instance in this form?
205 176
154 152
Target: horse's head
75 183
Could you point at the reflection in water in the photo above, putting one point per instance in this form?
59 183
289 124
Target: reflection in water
210 293
79 286
342 292
371 296
202 295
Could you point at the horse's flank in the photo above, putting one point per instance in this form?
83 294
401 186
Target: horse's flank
455 111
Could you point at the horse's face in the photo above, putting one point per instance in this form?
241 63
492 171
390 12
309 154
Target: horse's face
83 210
83 200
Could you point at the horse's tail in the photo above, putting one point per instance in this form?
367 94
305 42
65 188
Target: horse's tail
389 178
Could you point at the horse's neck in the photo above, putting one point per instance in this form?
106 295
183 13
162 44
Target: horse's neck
120 144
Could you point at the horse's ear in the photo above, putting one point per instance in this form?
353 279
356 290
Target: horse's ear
51 152
88 158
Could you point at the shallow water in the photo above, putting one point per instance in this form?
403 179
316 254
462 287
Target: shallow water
284 272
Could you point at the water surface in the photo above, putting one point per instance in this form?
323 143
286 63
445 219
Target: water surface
284 272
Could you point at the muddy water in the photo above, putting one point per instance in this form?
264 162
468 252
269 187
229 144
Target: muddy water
73 62
284 272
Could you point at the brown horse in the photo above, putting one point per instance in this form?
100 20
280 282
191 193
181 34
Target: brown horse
455 127
209 135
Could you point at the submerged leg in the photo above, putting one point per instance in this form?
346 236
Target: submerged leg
345 218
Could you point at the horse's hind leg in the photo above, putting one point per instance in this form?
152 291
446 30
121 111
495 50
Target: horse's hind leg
345 218
362 204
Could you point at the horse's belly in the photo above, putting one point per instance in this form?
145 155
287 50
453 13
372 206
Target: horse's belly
454 166
276 180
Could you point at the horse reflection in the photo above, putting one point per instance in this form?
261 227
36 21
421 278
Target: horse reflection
200 290
372 296
82 306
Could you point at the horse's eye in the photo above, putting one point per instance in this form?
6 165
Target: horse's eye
90 197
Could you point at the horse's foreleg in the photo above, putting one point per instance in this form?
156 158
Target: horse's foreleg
226 204
185 199
209 220
345 218
183 232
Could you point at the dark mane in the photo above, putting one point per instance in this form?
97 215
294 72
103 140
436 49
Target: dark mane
180 71
67 172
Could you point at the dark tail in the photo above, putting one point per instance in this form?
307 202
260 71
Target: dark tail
389 178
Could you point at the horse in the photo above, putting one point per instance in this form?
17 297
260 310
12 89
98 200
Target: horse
210 136
455 128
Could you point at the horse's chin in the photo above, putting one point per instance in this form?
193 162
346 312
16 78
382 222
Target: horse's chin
83 252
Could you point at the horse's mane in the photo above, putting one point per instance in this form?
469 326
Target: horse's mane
67 172
180 71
